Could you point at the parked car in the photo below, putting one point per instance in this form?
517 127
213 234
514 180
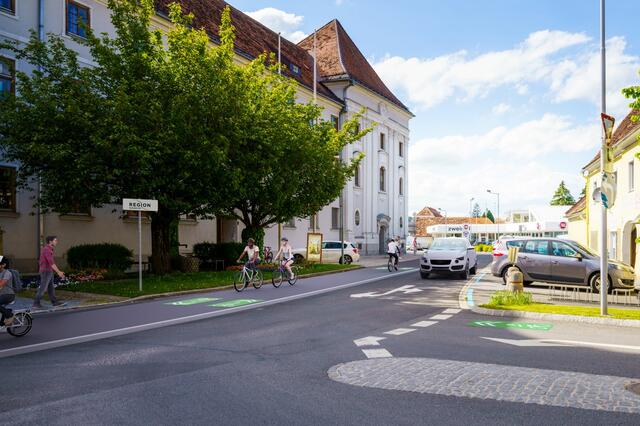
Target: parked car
556 260
331 253
451 255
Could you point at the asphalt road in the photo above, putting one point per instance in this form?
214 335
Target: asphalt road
271 365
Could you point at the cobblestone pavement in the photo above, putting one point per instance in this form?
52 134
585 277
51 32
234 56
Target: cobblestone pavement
491 381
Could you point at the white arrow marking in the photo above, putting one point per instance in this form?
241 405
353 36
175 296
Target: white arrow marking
377 353
370 294
406 289
368 341
550 342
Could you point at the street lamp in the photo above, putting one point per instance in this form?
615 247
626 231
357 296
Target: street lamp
607 123
470 208
498 217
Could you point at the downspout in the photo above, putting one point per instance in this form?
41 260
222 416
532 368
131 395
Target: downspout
39 215
343 111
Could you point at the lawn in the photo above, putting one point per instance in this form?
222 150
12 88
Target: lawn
568 310
153 284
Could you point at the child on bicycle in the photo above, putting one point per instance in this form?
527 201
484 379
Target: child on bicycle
253 254
6 293
287 255
393 251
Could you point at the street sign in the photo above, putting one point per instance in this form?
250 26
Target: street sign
507 324
134 204
608 190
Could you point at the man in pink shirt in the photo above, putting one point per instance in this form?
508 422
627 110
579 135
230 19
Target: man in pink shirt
47 267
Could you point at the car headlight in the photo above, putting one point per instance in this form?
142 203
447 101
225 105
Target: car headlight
621 267
460 258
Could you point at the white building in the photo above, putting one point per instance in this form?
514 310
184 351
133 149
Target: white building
374 204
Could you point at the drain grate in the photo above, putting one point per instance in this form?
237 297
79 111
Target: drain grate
633 387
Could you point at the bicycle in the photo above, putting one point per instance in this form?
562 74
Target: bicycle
21 325
392 264
245 276
279 274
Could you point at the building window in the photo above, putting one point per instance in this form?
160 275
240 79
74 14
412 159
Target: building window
357 218
356 177
335 218
8 6
335 122
78 19
7 76
632 176
77 208
382 141
383 173
401 149
295 69
613 245
400 187
291 223
401 222
8 189
313 222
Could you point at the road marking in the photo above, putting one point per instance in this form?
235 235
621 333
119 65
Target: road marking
369 294
377 353
180 320
368 341
235 303
440 317
423 324
405 289
195 301
509 324
451 311
566 343
400 331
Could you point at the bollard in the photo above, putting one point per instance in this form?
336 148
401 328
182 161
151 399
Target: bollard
514 280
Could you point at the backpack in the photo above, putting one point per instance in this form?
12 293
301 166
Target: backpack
16 282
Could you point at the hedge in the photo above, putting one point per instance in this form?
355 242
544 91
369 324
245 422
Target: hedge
210 252
113 257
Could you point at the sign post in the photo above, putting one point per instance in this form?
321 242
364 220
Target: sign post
134 204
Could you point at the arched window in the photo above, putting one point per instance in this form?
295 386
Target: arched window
356 177
382 179
401 189
401 222
357 218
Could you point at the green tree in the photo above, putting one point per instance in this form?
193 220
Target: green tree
489 215
151 119
633 93
562 196
476 210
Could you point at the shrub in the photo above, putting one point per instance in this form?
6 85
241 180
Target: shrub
507 298
209 252
115 257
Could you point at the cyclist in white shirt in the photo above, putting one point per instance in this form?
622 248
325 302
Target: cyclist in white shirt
253 254
287 255
393 251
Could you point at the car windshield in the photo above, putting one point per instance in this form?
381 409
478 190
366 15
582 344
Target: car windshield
584 249
448 245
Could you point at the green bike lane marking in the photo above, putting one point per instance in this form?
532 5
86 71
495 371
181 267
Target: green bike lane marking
508 324
235 303
195 301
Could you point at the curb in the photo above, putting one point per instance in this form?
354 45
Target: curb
164 295
557 317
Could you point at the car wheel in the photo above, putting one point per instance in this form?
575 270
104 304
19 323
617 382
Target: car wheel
474 270
424 275
527 283
347 260
298 258
594 283
465 274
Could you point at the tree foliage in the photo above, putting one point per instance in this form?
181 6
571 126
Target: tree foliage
476 212
489 215
562 196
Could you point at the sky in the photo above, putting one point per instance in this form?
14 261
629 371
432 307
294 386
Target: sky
506 93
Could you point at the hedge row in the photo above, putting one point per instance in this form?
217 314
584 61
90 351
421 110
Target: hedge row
208 253
113 257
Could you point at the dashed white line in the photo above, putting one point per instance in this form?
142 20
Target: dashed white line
423 324
440 317
377 353
400 331
451 311
368 341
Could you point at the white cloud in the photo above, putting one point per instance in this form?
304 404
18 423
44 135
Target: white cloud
501 108
521 163
286 23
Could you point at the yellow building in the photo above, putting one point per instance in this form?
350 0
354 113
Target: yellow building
624 217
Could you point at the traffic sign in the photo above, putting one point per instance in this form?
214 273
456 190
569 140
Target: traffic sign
134 204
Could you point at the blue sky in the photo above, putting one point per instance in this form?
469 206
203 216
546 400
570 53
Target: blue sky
505 92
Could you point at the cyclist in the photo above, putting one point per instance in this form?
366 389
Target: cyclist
287 255
253 254
6 293
393 251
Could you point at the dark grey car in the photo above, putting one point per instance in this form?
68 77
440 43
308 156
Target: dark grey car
555 260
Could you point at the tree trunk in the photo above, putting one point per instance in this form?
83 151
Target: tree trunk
161 241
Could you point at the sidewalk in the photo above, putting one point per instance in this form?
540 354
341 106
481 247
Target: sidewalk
382 259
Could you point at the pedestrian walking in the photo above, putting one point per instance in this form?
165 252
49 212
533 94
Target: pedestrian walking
47 267
7 294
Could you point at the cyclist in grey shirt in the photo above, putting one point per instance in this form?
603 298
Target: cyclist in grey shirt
6 293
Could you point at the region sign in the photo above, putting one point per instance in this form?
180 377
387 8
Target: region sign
134 204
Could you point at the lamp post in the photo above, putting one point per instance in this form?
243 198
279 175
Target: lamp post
470 208
498 217
604 254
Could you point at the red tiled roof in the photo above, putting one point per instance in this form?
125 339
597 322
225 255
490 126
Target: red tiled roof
429 211
580 205
252 38
340 58
624 129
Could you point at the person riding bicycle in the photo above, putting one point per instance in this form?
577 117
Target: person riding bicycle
7 294
253 255
287 255
393 251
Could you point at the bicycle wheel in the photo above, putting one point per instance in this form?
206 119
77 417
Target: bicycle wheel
239 281
296 273
390 264
21 325
277 277
257 279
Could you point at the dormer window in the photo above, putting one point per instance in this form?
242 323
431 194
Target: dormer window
295 69
8 6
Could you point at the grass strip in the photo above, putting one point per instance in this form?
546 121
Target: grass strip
568 310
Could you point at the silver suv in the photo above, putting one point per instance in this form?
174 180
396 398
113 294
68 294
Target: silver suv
555 260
